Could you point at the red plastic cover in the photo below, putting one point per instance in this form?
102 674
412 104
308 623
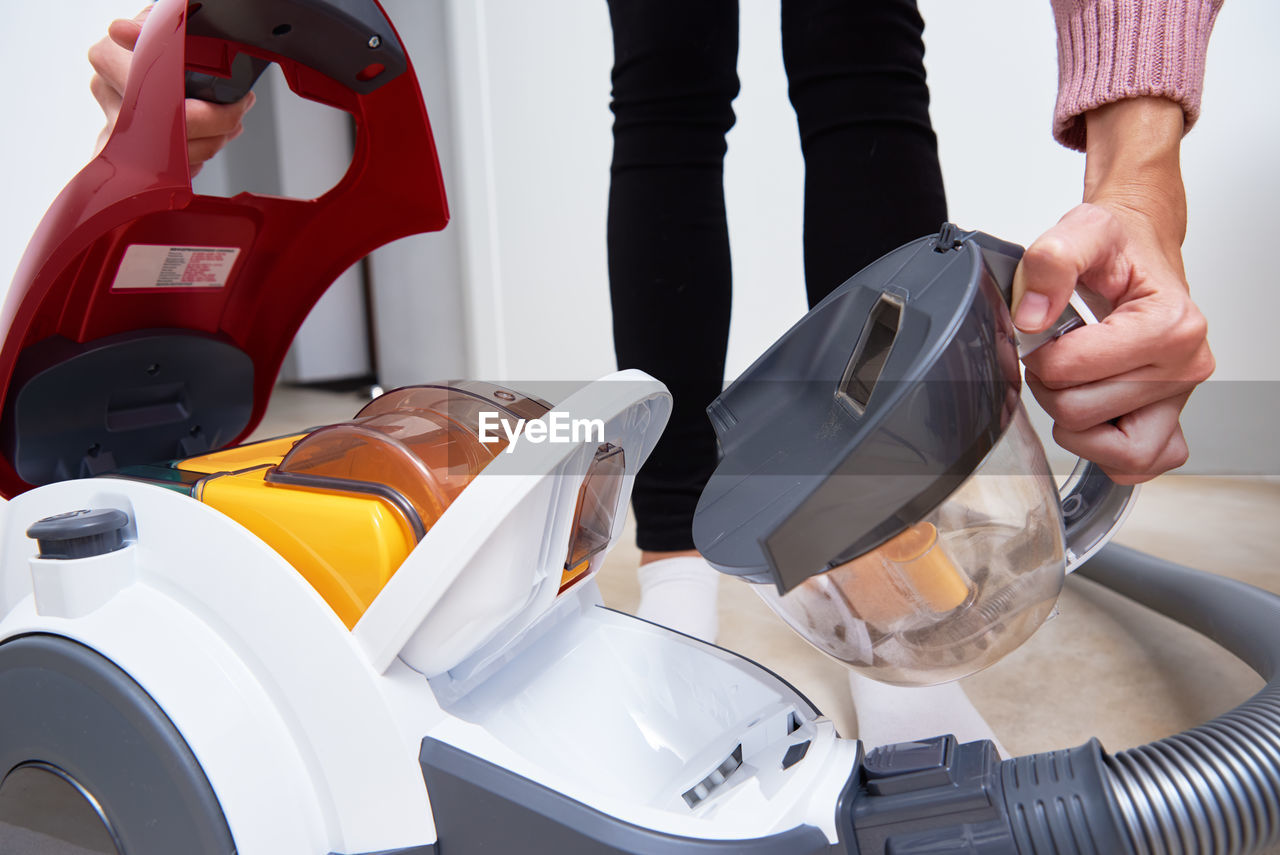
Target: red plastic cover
269 259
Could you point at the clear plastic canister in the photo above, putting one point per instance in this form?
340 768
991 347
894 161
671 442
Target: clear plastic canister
953 593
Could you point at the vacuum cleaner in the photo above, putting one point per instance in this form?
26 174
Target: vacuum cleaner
383 636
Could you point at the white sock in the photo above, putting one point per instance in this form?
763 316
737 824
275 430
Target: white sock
681 593
889 714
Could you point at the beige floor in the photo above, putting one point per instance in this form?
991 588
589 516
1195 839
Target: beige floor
1103 667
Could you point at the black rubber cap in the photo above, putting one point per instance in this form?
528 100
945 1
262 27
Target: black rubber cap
80 534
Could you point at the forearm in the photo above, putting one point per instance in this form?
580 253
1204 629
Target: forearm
1132 165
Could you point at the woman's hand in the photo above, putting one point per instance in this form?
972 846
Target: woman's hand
1116 389
209 126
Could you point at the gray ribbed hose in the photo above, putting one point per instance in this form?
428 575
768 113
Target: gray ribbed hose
1212 790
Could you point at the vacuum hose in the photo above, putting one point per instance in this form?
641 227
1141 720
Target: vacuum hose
1212 790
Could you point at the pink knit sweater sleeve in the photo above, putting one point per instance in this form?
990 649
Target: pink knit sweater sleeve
1114 49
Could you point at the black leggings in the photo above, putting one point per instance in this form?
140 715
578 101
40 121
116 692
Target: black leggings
872 182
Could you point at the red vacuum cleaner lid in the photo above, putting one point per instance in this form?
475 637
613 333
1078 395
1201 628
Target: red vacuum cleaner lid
148 322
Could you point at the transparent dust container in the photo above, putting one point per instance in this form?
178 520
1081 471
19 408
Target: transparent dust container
953 593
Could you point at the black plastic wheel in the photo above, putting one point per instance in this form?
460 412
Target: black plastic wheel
64 707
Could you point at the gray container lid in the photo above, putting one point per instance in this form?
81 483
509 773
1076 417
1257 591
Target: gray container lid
866 414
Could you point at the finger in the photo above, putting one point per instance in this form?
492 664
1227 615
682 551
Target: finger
206 119
125 32
111 56
111 63
1174 455
1088 239
1162 330
134 24
1138 446
107 97
103 136
201 150
1079 408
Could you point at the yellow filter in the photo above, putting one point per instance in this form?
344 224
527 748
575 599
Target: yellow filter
900 577
875 595
921 559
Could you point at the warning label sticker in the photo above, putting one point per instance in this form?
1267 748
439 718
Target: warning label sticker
157 266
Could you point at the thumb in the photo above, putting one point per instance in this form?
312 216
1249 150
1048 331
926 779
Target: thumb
125 32
1085 240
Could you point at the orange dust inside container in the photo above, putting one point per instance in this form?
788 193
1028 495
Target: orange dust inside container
348 502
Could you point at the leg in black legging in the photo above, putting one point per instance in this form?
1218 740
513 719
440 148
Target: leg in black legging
872 179
674 80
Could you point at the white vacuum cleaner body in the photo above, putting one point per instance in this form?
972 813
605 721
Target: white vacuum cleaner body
314 736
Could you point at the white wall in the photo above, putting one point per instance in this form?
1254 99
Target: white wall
535 121
418 295
993 70
50 120
542 106
531 137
